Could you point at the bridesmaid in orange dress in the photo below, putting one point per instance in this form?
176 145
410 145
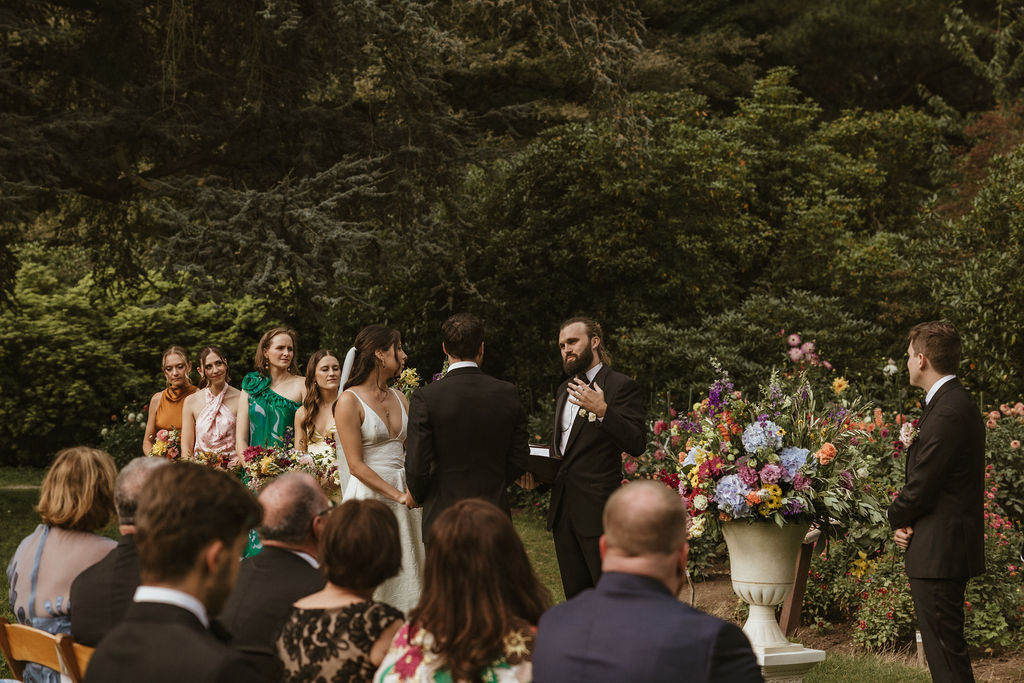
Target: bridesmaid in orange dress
166 406
209 415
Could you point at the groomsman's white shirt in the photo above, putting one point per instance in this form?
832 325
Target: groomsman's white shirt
935 387
171 596
570 411
462 364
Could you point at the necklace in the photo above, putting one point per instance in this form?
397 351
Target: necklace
382 399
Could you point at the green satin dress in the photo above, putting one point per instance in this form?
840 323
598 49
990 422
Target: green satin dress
271 422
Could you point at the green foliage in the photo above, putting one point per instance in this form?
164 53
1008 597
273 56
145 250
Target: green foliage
885 612
72 359
122 438
1003 453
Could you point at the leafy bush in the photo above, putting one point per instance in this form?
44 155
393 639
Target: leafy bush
122 438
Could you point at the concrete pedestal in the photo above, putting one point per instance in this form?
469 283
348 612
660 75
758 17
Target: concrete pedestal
788 664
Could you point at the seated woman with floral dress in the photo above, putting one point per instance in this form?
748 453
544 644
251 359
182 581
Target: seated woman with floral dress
477 617
75 500
340 633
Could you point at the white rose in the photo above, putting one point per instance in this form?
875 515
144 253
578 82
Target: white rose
700 502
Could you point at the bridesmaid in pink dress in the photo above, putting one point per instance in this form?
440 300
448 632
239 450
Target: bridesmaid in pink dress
209 415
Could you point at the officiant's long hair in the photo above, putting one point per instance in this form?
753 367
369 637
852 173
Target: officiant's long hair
370 340
477 584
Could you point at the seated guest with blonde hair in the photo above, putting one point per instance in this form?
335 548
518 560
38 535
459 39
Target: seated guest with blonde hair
75 500
481 601
605 633
294 509
191 527
102 593
340 633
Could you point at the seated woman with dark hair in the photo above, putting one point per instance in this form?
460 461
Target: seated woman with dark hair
481 602
75 500
340 633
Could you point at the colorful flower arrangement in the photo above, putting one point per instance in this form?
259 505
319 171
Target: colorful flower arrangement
218 460
262 464
776 458
167 444
408 381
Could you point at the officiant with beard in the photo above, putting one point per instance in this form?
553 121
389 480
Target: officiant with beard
599 415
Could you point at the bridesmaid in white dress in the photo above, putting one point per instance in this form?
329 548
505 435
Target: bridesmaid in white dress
315 432
372 420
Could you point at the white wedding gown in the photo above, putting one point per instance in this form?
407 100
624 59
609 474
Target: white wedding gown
386 456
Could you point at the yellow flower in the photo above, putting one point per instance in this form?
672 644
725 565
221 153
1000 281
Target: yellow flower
772 502
696 527
861 566
159 448
265 464
694 480
839 385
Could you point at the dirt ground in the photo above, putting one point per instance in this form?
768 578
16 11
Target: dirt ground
715 596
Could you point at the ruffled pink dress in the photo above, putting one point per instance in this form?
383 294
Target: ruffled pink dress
215 426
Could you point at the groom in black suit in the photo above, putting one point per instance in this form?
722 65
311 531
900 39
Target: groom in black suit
599 415
938 517
467 431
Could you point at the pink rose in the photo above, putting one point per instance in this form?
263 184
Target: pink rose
173 453
1015 444
161 435
1018 409
994 415
1005 409
629 466
659 427
794 340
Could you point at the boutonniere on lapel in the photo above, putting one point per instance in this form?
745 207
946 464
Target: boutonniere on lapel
591 417
908 433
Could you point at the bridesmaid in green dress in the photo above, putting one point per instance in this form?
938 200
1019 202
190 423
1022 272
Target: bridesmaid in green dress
269 398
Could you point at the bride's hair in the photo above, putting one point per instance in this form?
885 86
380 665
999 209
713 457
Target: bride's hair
201 363
313 400
370 340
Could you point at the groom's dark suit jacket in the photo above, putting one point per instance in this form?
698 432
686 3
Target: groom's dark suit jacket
160 643
592 463
943 496
467 439
102 593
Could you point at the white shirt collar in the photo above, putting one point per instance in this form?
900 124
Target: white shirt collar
171 596
935 387
462 364
308 558
592 372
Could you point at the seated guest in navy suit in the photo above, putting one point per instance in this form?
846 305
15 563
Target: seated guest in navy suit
192 525
287 569
101 594
631 627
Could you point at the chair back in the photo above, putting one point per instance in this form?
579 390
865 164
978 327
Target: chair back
74 657
24 644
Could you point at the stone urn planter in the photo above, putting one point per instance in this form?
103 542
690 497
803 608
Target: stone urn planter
762 559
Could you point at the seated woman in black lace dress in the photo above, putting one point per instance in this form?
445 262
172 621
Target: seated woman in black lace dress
340 633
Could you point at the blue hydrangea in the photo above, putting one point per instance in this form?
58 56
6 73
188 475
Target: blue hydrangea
762 434
731 496
792 459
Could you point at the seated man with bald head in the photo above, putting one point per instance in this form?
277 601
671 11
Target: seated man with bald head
102 593
285 570
630 627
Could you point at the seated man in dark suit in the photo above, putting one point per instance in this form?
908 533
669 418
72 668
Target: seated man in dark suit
285 570
101 594
631 627
192 525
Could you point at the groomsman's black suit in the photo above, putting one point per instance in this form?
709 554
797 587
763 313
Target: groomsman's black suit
267 585
160 643
102 593
467 439
591 471
943 501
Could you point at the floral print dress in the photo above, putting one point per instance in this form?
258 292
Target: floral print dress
411 659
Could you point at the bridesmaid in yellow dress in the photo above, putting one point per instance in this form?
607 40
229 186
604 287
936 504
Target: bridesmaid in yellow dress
315 432
166 406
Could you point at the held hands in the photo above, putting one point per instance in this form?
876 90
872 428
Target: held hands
590 399
407 500
903 536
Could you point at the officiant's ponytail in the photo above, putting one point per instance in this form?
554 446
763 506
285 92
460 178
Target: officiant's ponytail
370 340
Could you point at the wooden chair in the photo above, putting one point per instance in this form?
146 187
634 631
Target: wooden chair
24 644
74 657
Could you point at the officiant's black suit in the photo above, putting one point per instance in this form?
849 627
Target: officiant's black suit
943 501
591 471
160 643
467 439
267 585
102 593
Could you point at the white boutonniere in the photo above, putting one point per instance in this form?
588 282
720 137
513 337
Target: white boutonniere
908 434
591 417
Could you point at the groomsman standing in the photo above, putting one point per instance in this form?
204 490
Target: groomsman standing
599 414
938 516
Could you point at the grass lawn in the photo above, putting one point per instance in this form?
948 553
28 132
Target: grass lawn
19 494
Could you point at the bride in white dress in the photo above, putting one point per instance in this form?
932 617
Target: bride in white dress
372 420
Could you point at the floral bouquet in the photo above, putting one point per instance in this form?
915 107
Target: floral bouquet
262 464
167 444
778 458
218 460
408 381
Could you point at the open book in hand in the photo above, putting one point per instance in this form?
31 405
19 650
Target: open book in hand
542 463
